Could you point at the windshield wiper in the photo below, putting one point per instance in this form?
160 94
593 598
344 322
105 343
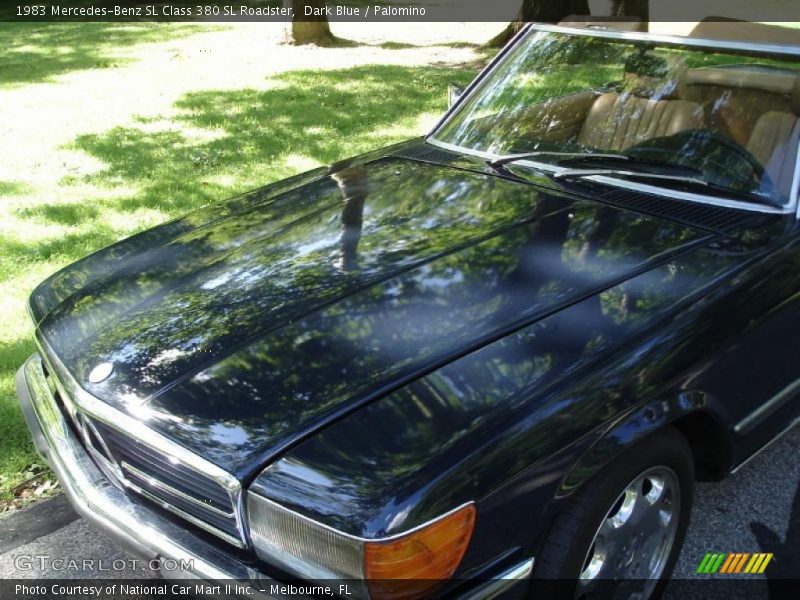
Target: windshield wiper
690 176
625 173
576 158
510 158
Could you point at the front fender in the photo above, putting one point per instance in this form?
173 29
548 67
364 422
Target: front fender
515 426
693 413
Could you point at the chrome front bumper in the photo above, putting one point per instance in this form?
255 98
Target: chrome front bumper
132 523
138 527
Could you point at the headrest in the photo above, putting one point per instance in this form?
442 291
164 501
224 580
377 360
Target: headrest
751 77
656 77
720 28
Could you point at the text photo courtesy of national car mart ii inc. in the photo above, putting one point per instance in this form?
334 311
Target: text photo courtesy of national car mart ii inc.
176 590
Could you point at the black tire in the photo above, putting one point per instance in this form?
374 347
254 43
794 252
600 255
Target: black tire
568 542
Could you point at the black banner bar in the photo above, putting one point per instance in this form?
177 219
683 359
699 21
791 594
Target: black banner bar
717 587
385 10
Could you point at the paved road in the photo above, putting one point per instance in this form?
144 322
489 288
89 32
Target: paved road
757 509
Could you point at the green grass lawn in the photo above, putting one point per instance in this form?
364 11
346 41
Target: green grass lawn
34 52
212 145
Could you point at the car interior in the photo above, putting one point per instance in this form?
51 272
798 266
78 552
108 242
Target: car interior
753 105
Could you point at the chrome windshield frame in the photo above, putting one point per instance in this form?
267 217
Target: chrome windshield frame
792 207
776 50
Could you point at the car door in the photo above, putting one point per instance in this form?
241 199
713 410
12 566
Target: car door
753 371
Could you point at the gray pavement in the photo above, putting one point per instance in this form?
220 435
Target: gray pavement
94 555
754 510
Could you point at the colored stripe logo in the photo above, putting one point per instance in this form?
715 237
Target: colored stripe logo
734 562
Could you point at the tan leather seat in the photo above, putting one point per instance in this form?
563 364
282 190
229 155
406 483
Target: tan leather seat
737 95
774 141
618 121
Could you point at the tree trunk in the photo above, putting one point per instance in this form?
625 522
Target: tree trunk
624 8
311 29
553 11
352 182
543 11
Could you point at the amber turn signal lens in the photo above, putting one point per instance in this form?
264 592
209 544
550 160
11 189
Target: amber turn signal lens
413 565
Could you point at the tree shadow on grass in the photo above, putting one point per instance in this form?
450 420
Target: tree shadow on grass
323 116
13 354
13 188
37 52
317 114
14 254
60 214
16 441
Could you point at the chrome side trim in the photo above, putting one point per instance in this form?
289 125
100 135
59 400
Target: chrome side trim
766 409
777 437
78 400
129 521
503 582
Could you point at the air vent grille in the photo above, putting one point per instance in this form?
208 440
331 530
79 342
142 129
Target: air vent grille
717 219
428 153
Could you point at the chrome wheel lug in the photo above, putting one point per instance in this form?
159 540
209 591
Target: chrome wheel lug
636 536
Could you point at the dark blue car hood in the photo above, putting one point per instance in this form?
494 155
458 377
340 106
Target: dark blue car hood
243 327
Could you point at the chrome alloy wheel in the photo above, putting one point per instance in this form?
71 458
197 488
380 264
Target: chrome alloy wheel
636 536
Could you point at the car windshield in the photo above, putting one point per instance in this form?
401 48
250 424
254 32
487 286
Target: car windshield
727 118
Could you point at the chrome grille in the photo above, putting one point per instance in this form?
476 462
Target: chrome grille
195 497
135 457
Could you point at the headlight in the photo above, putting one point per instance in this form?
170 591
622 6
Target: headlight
409 564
